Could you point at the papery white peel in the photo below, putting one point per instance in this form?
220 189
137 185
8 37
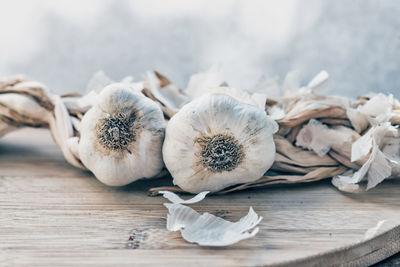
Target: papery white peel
199 83
377 110
72 144
76 123
371 232
392 153
62 130
318 137
169 95
343 186
276 113
379 170
207 229
175 199
377 167
81 104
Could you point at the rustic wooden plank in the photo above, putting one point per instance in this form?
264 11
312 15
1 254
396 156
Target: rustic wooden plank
54 214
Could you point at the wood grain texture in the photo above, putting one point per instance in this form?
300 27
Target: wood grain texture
52 214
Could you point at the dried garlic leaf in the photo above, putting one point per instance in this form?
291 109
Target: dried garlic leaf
169 95
319 138
61 129
80 104
276 112
300 157
303 114
344 160
358 120
379 170
284 167
207 229
316 175
24 105
378 109
391 150
377 166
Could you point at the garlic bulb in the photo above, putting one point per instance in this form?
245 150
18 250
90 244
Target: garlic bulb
121 136
207 229
216 141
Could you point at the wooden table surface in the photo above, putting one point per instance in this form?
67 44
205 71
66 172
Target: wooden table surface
52 214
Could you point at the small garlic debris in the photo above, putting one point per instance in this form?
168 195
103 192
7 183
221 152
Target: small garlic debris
174 198
216 141
121 136
207 229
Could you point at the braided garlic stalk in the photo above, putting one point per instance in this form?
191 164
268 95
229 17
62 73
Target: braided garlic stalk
118 133
25 103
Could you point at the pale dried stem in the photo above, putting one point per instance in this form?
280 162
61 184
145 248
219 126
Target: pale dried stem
25 103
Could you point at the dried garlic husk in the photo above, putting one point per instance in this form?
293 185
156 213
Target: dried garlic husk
164 92
23 110
378 164
207 229
216 141
80 104
320 138
121 136
297 156
378 109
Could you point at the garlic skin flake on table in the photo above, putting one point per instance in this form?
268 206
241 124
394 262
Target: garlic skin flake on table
121 136
216 141
207 229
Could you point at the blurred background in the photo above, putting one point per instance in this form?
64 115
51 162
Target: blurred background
62 43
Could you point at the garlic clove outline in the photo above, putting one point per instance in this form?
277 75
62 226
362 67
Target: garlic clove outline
217 141
121 136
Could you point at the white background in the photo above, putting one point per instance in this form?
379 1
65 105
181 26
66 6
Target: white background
62 43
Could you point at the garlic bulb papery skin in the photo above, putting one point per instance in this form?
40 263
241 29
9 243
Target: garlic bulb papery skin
121 136
217 141
257 100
